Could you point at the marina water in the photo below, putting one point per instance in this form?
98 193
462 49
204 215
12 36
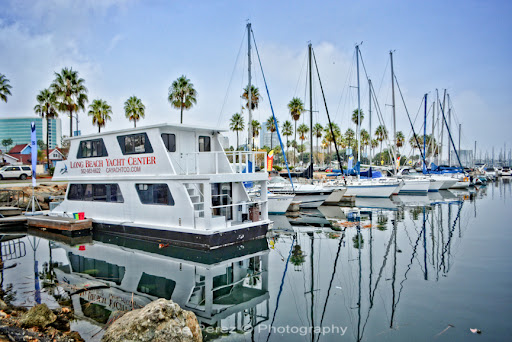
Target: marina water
417 268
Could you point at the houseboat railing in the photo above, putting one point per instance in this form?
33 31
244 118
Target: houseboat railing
219 162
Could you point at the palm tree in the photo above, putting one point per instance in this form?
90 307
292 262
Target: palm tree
349 135
381 133
236 124
318 130
5 88
374 144
134 109
46 108
412 142
355 117
296 107
328 135
71 93
100 112
255 96
271 126
365 139
182 95
400 138
255 130
303 130
287 132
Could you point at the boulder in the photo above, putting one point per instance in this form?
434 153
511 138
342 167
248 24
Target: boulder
38 316
3 306
159 321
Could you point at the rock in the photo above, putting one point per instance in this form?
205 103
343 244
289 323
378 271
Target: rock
159 321
3 306
38 316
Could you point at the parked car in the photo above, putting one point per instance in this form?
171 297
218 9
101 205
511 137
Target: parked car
21 172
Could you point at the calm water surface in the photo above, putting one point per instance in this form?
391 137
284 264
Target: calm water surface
417 268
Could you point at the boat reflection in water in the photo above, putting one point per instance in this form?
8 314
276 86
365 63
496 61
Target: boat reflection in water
366 270
225 288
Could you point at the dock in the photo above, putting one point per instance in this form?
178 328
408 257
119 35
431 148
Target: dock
44 222
10 211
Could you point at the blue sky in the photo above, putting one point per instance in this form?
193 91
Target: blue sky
123 48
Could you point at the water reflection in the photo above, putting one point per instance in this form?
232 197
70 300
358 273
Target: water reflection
360 283
373 269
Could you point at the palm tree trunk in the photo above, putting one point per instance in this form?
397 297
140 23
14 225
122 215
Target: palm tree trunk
134 123
99 129
70 123
47 143
271 136
181 113
295 139
237 140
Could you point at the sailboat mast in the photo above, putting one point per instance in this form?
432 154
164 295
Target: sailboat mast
370 119
249 85
460 129
358 134
432 144
393 106
310 108
425 136
449 129
442 131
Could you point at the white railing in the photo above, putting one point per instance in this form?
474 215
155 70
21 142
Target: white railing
243 162
219 162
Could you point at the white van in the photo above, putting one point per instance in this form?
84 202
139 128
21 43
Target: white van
10 171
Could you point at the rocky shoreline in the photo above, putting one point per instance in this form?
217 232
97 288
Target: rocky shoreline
43 193
161 320
37 324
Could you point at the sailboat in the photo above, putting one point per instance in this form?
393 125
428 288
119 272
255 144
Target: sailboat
315 194
368 187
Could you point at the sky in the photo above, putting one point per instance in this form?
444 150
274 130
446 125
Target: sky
127 47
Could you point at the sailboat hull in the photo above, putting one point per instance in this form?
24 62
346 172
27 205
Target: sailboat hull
371 190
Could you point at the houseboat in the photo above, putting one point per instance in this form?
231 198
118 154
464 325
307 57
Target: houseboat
170 182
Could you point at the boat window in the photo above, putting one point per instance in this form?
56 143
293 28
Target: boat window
95 192
97 268
204 144
99 192
156 286
135 143
95 311
154 194
91 149
169 141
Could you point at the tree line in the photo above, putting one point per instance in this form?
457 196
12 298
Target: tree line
328 134
67 94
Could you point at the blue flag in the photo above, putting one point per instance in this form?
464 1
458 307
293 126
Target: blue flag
33 146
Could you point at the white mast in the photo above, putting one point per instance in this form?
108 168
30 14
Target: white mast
393 147
249 95
358 134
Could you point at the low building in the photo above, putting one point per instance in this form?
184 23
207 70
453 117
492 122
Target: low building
55 156
19 154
